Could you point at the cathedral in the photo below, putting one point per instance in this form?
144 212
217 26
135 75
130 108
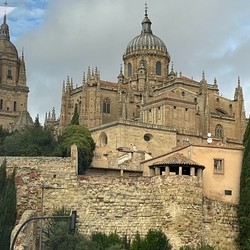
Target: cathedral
13 88
151 107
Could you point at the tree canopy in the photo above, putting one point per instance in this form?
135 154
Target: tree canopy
81 136
31 141
244 203
75 117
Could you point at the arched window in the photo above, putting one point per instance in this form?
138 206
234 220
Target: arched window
103 139
158 68
129 69
144 63
106 106
218 131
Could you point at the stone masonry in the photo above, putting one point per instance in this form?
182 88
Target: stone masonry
126 205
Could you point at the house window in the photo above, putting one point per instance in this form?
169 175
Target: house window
129 69
106 106
228 192
158 68
218 131
1 104
218 166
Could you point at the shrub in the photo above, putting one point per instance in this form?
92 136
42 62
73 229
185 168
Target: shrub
107 242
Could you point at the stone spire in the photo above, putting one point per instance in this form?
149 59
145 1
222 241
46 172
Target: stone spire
120 77
4 31
22 71
238 94
146 23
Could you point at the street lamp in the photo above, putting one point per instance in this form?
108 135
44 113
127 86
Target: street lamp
44 186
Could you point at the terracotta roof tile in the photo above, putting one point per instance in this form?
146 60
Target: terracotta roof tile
178 159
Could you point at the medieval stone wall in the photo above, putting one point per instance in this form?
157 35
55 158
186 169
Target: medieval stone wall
126 205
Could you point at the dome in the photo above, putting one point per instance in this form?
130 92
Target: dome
7 48
146 40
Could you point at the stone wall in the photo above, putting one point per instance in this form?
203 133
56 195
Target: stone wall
174 204
220 224
26 239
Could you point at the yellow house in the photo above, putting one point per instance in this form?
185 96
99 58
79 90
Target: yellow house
221 176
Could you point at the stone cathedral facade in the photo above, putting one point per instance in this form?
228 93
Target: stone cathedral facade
13 88
151 106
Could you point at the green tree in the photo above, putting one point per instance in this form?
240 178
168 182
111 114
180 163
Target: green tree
244 202
3 134
31 141
107 242
7 206
156 240
58 236
138 242
75 117
81 136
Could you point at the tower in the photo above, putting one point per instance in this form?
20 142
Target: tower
146 57
13 89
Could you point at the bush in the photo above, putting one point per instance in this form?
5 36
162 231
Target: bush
186 248
107 242
205 246
156 240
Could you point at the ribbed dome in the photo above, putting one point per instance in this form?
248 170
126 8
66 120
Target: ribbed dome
6 47
146 40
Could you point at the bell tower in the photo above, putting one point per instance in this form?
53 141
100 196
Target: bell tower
146 57
13 89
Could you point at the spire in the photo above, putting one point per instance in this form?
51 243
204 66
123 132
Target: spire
146 9
120 77
83 78
238 94
53 115
4 31
146 23
63 87
203 75
22 54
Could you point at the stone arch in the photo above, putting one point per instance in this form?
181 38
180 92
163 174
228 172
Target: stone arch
103 139
218 131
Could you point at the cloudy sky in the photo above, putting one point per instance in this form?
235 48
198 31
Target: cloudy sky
62 38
